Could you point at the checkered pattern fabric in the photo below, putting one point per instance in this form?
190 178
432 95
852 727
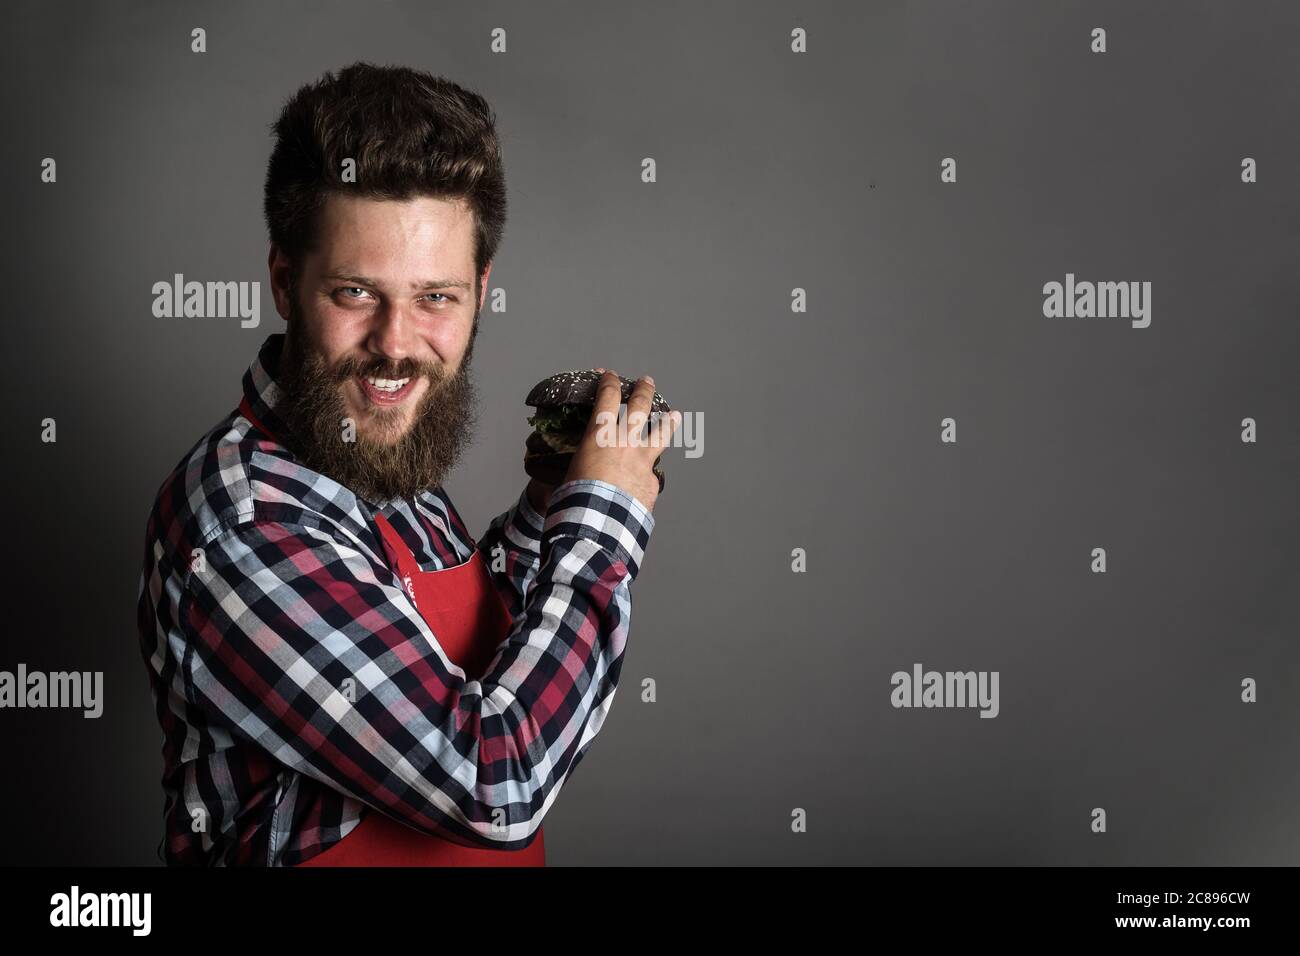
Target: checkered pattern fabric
296 683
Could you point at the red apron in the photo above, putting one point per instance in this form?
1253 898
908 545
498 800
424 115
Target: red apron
465 611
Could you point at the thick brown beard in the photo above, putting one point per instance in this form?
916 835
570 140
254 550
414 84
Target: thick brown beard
421 459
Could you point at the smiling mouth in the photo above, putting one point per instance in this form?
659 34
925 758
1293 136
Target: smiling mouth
385 391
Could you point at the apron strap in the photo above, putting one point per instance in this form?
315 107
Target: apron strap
399 555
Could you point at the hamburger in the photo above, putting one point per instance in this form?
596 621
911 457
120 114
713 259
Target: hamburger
565 403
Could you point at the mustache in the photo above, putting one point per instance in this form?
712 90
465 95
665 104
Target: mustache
383 368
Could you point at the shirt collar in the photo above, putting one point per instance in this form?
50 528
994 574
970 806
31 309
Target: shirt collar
262 393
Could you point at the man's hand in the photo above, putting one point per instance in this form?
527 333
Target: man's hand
628 459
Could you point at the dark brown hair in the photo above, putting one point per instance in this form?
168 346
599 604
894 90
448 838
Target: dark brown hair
410 133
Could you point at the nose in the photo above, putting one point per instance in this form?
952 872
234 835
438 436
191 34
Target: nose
391 334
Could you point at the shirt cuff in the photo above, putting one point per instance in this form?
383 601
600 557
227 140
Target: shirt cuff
523 527
603 513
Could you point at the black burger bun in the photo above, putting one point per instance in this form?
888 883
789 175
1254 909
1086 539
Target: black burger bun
578 387
549 469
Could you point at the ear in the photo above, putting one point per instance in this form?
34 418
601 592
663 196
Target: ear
483 287
281 273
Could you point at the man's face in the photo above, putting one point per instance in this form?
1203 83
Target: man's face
381 330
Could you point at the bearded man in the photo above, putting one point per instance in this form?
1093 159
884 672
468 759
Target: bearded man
342 674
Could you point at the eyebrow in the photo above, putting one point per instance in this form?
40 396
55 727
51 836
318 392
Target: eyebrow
346 276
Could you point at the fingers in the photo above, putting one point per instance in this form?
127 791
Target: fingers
638 408
609 396
662 430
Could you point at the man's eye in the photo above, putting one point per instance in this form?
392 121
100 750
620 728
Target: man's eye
439 293
353 288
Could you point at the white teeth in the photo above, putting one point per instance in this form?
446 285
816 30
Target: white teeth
387 384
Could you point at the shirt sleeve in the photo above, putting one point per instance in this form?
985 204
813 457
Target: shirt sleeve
512 551
301 643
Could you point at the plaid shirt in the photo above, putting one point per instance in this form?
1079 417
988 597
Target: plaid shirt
266 586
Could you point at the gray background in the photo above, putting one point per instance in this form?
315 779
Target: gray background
775 170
